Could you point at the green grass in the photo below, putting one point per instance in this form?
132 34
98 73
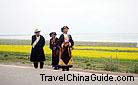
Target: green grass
102 64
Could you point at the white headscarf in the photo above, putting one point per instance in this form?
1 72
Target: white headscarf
66 37
36 41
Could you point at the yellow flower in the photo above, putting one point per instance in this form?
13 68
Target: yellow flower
83 51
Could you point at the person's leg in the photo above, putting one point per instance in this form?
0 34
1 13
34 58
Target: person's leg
67 69
41 64
56 60
36 65
53 60
56 63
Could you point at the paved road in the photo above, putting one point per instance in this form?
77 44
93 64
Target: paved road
22 75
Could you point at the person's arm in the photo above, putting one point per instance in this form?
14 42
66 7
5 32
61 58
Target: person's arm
50 45
33 39
71 41
43 42
60 40
57 46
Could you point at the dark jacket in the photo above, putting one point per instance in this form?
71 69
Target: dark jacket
53 44
37 53
65 52
61 40
55 51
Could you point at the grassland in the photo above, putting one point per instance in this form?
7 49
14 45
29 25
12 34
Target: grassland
102 64
120 59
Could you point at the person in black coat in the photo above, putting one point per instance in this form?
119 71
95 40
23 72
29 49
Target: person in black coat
66 43
37 52
55 50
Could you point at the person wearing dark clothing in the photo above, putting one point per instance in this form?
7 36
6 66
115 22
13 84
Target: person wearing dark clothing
66 43
55 50
37 52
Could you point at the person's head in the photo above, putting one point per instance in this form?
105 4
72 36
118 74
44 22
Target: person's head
37 32
53 34
64 29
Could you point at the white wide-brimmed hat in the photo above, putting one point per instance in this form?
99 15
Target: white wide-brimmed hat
37 30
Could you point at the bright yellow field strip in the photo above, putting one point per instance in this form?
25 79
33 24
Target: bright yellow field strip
107 48
106 54
79 53
21 48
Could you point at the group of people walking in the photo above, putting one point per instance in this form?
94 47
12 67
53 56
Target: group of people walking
61 49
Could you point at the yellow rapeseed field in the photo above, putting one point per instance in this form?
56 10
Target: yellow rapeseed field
81 53
107 48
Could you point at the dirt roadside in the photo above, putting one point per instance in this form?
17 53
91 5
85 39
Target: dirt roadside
77 69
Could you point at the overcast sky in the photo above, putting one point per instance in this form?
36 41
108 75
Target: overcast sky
82 16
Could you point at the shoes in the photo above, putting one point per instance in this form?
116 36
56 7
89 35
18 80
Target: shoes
56 68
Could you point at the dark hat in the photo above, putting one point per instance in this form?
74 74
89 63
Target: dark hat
54 33
64 28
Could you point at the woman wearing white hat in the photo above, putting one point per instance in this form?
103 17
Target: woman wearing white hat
37 52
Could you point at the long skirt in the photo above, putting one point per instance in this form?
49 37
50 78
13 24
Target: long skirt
55 57
66 56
